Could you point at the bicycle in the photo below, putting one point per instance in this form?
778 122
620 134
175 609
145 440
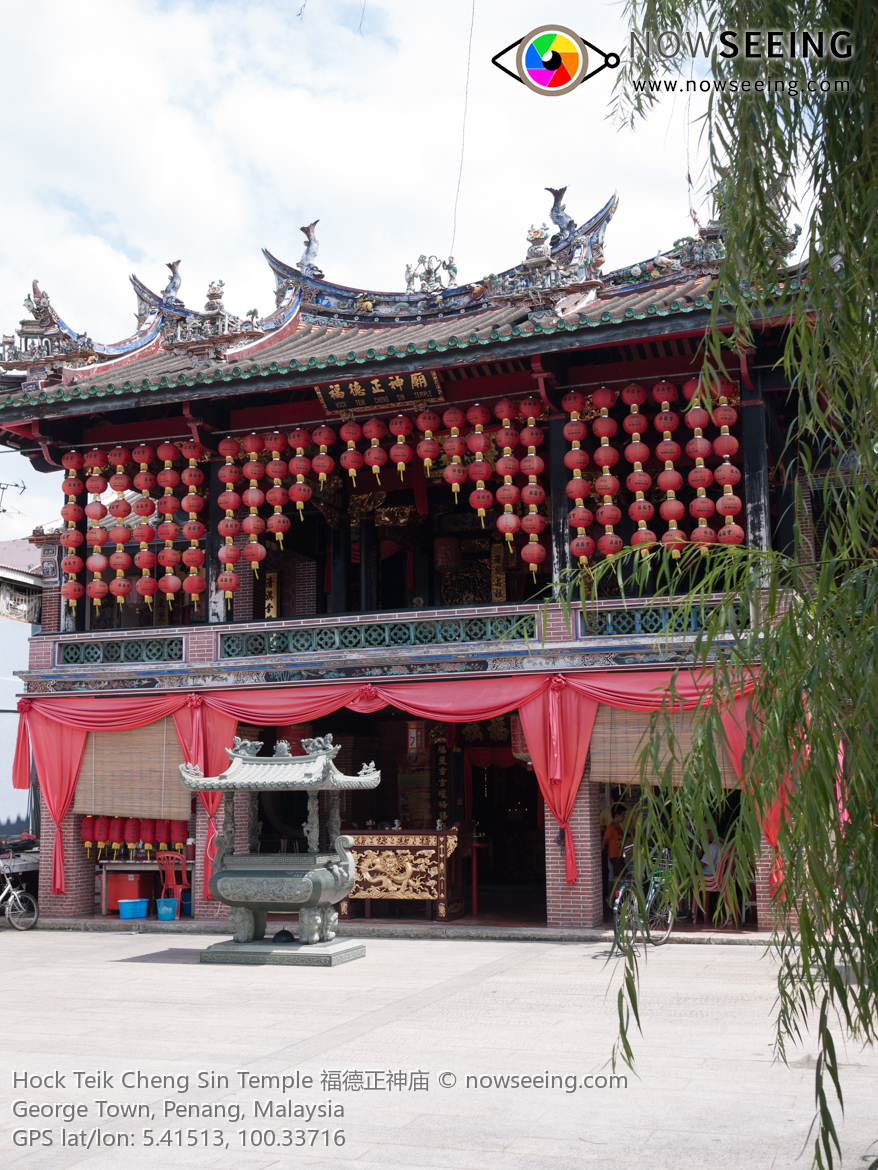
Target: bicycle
657 903
22 910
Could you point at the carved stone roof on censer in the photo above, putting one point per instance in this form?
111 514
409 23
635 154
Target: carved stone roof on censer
282 772
318 325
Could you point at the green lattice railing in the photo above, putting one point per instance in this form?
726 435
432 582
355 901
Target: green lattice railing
594 623
379 635
130 650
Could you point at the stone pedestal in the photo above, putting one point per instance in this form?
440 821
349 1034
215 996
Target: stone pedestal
268 953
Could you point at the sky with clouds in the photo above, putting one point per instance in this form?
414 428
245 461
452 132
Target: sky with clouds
142 131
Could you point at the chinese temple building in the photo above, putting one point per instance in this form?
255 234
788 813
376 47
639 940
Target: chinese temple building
356 515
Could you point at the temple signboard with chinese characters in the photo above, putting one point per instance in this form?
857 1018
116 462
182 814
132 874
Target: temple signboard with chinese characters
398 390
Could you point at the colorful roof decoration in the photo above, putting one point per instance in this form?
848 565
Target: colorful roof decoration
318 325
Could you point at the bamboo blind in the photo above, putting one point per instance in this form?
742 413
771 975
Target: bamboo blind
619 736
133 774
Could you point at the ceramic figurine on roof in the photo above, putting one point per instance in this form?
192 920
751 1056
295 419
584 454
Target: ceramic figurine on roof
307 263
559 217
169 296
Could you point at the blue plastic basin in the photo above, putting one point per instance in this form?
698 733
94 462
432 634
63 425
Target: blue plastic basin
133 907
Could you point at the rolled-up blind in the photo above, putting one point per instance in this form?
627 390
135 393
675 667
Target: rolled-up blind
619 737
133 774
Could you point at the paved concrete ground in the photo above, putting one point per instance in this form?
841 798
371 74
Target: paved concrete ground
708 1093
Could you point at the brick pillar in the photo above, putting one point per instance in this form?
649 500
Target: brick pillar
766 912
581 904
78 899
242 807
244 596
50 613
204 907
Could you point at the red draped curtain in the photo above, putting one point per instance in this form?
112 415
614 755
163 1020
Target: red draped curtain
557 715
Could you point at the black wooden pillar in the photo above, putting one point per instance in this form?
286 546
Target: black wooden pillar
368 600
558 476
754 443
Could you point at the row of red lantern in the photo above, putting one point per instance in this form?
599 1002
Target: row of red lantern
637 452
96 462
114 832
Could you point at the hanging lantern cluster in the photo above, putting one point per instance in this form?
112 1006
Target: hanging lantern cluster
168 530
428 422
300 466
350 459
454 447
229 500
193 530
576 460
374 430
71 538
533 493
401 453
636 452
277 495
606 485
508 466
669 480
479 471
700 477
253 498
727 475
323 463
144 533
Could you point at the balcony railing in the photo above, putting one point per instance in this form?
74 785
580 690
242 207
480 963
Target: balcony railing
380 635
594 623
91 653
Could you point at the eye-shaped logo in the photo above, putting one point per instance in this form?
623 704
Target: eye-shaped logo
552 60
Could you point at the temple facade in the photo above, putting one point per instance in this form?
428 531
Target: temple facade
361 514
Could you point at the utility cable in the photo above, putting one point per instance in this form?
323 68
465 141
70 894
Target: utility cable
463 127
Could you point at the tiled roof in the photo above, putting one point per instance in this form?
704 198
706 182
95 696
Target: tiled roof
313 348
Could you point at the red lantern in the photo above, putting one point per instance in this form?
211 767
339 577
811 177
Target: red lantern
698 448
163 833
641 509
664 393
179 834
508 523
637 452
229 527
644 539
73 460
192 557
97 590
507 493
674 539
72 564
351 460
573 403
253 444
724 415
638 481
120 561
230 474
728 504
455 474
375 458
195 585
730 534
481 499
672 509
115 834
701 506
254 553
700 477
147 586
278 524
87 833
300 494
71 538
633 395
582 546
534 554
229 582
131 834
229 554
574 431
634 423
72 591
704 536
72 486
669 480
725 445
580 517
228 447
478 442
507 466
253 497
453 418
400 454
169 585
727 474
609 544
147 834
101 832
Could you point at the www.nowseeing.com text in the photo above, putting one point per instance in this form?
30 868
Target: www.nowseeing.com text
569 1083
760 85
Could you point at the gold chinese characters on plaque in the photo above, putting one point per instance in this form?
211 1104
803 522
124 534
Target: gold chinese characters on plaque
396 390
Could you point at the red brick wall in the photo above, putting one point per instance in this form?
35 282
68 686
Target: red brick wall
766 913
41 650
78 899
202 644
580 904
244 597
51 610
305 587
204 907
